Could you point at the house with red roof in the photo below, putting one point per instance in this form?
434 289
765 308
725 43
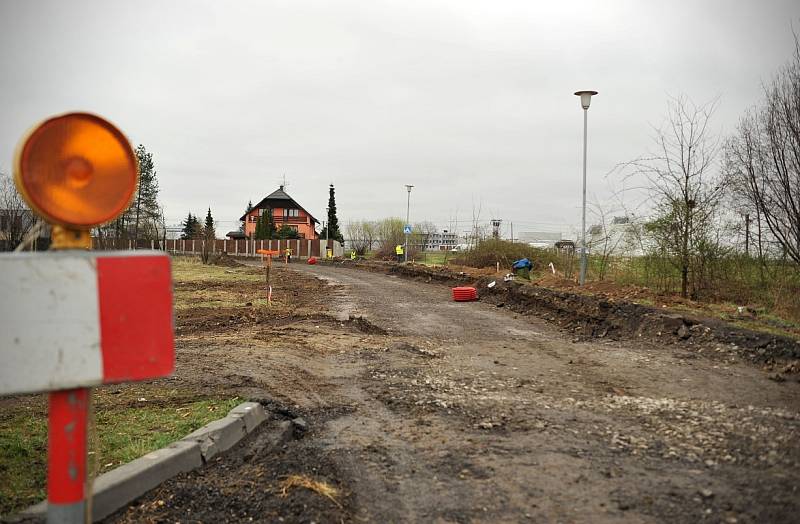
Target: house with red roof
285 211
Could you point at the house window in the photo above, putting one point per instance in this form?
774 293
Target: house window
291 212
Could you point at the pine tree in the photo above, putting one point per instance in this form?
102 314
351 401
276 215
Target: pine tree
188 227
208 231
144 217
259 233
287 232
269 223
265 226
197 228
145 203
333 222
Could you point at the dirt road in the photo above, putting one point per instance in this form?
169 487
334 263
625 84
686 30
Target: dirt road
436 411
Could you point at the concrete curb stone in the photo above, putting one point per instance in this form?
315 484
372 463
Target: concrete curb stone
252 413
116 488
218 436
132 480
119 487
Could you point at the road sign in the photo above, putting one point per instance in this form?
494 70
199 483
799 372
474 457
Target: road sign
74 319
407 229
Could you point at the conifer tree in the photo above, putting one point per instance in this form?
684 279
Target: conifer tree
259 232
189 224
197 228
144 217
269 223
145 203
287 232
333 222
265 226
208 231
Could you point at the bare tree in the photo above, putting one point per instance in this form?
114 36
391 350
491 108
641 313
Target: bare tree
763 158
361 234
683 186
16 219
478 230
389 234
605 237
370 232
421 234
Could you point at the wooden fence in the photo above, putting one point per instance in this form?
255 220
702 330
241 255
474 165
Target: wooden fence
243 248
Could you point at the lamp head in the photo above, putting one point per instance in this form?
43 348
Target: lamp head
586 97
76 170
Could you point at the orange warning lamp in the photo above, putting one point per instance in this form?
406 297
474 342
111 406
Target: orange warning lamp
77 171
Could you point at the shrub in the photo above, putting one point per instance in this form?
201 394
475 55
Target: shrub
489 252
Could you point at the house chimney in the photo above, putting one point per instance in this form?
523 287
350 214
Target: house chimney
281 188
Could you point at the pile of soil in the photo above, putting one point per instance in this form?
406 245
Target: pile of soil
598 317
249 483
222 259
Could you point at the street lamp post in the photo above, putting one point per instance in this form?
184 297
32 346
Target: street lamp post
586 99
408 210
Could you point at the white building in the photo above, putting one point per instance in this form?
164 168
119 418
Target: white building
444 241
544 239
619 237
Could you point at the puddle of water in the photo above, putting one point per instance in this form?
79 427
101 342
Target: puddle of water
342 307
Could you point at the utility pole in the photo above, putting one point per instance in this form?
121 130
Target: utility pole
512 232
408 217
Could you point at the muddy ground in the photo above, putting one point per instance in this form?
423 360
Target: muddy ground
426 410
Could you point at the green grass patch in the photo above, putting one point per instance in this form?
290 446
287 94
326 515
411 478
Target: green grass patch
121 435
433 258
134 432
23 460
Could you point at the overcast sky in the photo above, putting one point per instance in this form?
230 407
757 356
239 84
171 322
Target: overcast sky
471 102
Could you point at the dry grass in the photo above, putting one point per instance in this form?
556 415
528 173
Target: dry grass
185 269
301 481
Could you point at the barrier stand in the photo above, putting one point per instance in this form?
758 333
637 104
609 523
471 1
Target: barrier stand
78 171
68 486
67 483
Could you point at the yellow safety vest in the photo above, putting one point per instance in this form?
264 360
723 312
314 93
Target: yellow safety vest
352 255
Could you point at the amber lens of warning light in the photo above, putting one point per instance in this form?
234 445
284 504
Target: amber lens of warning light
76 170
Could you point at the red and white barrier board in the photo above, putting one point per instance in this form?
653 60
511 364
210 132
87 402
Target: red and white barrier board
72 319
